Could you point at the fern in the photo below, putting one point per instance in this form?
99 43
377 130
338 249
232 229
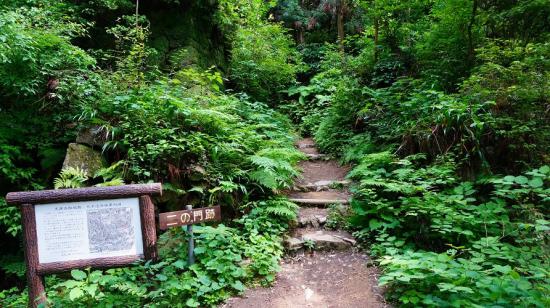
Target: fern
112 182
282 208
263 162
274 167
265 178
70 178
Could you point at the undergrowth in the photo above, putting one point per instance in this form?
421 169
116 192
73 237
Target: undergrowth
227 259
444 242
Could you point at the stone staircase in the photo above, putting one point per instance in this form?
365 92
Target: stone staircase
321 267
322 183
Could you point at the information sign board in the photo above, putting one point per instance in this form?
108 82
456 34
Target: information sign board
98 227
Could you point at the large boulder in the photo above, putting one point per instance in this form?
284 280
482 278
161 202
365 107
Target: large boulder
83 157
93 136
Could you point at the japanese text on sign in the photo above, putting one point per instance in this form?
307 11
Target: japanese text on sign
189 217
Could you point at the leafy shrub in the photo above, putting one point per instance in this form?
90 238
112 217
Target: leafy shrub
447 243
517 79
338 217
263 63
38 65
313 101
33 52
338 126
272 216
10 218
274 168
173 126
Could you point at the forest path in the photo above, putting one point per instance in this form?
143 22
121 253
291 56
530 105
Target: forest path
322 267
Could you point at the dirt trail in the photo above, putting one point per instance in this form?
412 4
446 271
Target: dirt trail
334 274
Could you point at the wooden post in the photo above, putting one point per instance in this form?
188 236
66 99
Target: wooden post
191 243
35 281
148 230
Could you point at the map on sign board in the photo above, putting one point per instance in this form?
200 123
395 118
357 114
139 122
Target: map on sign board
88 230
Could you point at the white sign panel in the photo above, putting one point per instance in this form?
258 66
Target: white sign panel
88 229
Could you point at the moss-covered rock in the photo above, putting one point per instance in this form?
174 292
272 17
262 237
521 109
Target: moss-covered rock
83 157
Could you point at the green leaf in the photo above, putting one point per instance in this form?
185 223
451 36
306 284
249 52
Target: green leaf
374 224
78 274
536 183
238 285
179 264
200 250
75 294
162 277
521 179
91 289
192 303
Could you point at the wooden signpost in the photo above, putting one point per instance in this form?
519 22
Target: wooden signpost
187 218
98 227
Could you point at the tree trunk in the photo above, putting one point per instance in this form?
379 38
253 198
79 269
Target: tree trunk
471 48
340 23
299 36
376 29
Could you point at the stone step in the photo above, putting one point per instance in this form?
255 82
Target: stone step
312 217
305 145
312 156
321 170
320 197
323 202
322 185
319 240
309 151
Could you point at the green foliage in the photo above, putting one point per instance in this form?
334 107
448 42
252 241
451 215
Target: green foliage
231 14
338 126
13 265
442 98
32 52
70 178
10 218
14 297
517 79
38 63
429 99
75 177
460 91
313 101
170 127
273 215
179 128
112 175
309 244
263 62
274 168
446 243
338 217
446 49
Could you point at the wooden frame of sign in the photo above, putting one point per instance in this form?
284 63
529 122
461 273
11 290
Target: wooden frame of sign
97 227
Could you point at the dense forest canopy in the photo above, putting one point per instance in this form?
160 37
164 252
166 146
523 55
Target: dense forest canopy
440 106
